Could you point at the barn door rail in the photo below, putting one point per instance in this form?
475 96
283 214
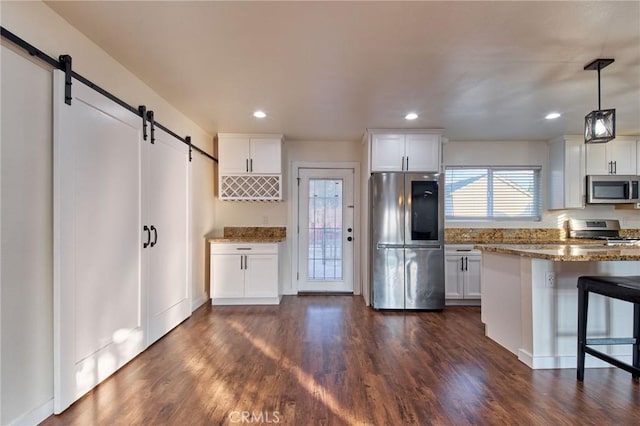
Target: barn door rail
64 63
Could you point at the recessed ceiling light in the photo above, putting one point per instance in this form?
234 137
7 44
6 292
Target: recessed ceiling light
552 115
259 114
411 116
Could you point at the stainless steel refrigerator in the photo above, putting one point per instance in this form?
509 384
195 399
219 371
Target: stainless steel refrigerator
407 240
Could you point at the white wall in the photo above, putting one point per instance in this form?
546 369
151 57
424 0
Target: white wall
26 199
27 238
524 153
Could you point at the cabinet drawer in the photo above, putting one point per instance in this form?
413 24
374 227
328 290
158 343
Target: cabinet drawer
237 248
461 250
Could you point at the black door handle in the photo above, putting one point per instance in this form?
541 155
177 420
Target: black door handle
155 236
466 263
146 228
462 263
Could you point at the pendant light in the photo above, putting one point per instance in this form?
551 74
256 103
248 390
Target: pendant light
600 125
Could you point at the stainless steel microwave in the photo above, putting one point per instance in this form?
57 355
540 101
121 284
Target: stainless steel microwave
612 189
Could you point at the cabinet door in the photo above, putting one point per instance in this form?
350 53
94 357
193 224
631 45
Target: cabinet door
233 155
597 162
387 153
422 153
566 173
227 276
167 210
453 283
265 156
622 152
261 275
472 277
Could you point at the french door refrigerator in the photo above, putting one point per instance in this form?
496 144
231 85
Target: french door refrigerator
407 240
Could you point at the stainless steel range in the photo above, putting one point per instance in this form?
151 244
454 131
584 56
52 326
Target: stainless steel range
600 229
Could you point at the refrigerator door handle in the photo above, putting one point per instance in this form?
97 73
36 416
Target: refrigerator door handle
435 246
389 246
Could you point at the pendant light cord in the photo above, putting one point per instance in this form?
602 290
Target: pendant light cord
599 65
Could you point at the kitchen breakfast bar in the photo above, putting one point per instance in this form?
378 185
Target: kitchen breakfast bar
530 300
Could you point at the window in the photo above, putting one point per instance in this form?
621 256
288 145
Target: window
492 193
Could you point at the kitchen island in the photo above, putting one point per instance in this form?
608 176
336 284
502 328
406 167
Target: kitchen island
529 299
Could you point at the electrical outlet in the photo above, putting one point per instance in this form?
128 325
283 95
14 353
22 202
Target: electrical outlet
549 279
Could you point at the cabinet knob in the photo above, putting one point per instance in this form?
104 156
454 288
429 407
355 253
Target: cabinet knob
349 239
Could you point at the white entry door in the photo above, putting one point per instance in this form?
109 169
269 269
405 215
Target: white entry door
326 237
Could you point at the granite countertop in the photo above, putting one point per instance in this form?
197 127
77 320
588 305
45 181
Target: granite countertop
255 234
584 252
245 240
518 236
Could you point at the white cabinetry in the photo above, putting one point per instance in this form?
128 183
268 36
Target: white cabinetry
462 275
566 173
243 154
618 157
250 166
397 152
245 274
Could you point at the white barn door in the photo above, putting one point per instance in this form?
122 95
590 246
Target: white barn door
166 209
98 287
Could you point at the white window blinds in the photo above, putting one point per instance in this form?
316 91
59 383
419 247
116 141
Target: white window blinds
490 193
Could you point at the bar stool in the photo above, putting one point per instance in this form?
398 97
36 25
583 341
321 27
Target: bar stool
622 288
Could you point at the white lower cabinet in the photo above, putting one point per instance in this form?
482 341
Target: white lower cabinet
245 274
462 275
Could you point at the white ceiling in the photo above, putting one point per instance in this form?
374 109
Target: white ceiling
329 70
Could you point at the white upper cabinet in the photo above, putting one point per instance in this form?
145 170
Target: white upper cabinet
265 156
422 153
618 157
250 167
566 173
399 152
233 155
387 153
240 154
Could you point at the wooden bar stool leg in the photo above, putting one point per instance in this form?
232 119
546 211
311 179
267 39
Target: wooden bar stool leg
583 302
636 336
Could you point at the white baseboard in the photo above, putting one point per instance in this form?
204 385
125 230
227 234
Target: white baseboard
462 302
246 301
196 303
35 416
565 361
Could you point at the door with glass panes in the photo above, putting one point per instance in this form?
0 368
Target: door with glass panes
326 232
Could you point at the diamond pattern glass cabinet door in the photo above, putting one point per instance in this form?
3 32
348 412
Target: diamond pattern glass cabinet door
325 229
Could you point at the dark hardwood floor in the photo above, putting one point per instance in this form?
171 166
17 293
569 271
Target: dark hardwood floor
331 360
